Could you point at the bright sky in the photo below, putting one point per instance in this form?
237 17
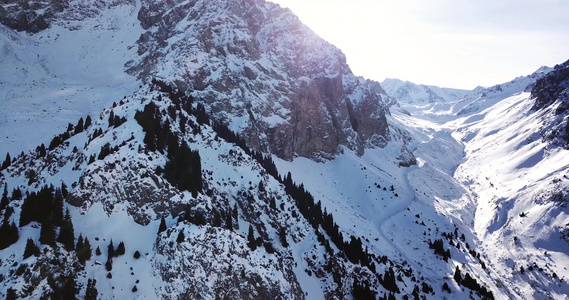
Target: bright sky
448 43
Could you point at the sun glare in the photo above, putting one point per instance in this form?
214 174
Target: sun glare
457 44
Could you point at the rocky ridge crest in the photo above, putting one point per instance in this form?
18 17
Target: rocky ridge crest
262 72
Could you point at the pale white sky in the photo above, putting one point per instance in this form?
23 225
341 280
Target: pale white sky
449 43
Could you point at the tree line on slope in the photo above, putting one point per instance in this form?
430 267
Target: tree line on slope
45 207
183 168
149 119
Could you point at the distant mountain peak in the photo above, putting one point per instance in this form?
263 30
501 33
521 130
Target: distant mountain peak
544 69
410 93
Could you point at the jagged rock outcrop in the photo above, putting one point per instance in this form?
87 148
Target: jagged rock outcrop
257 68
34 16
244 274
552 87
30 16
551 94
264 73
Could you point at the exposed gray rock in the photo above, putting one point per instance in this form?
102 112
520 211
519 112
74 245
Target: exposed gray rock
265 74
237 274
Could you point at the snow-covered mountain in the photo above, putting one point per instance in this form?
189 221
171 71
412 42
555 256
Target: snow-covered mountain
419 94
299 97
457 102
200 150
517 174
73 69
207 48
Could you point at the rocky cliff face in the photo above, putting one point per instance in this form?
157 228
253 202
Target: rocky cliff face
551 94
264 73
34 16
257 68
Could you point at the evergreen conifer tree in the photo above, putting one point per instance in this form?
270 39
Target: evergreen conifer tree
69 288
184 170
91 291
251 242
235 215
216 218
229 221
83 249
282 235
120 249
79 126
261 186
16 194
181 236
388 281
111 250
66 233
269 247
64 191
362 290
86 252
457 275
31 249
272 203
11 294
4 202
109 264
47 234
162 226
87 122
7 162
288 180
112 118
9 234
56 209
41 150
79 242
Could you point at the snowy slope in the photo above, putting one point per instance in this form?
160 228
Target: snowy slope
120 196
419 94
117 193
426 201
520 185
471 102
262 72
487 172
463 184
57 76
105 215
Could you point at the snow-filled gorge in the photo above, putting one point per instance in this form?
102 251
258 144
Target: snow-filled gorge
235 155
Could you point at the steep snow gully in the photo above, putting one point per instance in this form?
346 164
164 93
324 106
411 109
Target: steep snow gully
429 139
392 212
